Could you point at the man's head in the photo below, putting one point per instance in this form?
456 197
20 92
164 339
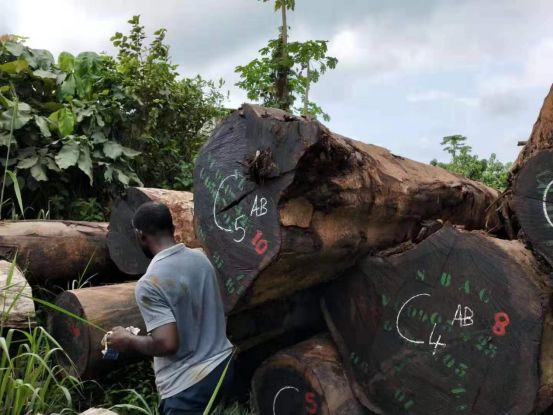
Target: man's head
154 227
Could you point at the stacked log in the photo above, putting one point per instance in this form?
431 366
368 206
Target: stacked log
123 246
459 323
115 305
56 250
527 209
307 378
283 204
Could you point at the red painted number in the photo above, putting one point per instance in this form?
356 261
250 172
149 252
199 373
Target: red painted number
75 331
311 406
261 245
501 322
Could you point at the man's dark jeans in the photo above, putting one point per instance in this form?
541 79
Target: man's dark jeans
192 401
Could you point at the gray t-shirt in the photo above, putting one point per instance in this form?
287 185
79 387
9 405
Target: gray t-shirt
180 286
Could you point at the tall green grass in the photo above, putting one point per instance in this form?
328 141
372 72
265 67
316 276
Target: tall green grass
31 381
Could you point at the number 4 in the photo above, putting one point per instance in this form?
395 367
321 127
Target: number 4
436 343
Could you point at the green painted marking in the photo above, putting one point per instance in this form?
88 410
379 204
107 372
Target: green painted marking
457 391
465 287
484 296
421 275
445 279
385 300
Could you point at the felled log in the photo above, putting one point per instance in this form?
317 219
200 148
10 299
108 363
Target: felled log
123 247
307 378
56 250
532 202
283 204
527 210
114 305
17 309
461 323
541 137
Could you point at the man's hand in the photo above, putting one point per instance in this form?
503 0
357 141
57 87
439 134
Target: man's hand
163 341
120 339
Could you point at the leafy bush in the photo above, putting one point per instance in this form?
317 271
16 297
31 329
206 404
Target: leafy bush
489 171
81 128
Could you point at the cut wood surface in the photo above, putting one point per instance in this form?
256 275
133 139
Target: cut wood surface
123 246
56 250
17 309
532 202
307 378
114 305
283 204
461 323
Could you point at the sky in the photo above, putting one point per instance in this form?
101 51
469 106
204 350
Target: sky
409 72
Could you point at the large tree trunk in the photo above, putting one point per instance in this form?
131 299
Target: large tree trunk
122 243
541 137
283 204
461 323
114 305
307 378
17 309
527 208
56 250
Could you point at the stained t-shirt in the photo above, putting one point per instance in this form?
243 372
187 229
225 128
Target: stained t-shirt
180 285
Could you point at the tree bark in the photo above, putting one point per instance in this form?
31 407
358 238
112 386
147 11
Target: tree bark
56 250
541 137
305 378
283 204
122 243
526 209
17 309
461 323
114 305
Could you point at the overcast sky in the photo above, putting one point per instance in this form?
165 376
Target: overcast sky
410 71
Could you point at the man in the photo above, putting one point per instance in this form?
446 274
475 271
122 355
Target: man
180 302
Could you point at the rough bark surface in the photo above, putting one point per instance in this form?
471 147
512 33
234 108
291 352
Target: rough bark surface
307 378
541 137
461 323
123 247
17 309
115 305
283 204
56 250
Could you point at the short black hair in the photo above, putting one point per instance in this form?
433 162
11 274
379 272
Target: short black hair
153 218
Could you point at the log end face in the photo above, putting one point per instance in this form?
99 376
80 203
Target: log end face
123 247
427 331
72 335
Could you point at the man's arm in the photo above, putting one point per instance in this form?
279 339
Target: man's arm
162 341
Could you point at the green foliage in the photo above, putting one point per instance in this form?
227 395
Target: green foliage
85 126
285 71
167 118
489 171
30 379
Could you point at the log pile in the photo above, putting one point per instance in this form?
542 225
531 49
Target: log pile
283 204
425 313
114 305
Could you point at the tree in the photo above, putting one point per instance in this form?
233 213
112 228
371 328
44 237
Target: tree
489 171
74 132
286 70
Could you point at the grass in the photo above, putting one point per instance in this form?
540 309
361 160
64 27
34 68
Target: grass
32 382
